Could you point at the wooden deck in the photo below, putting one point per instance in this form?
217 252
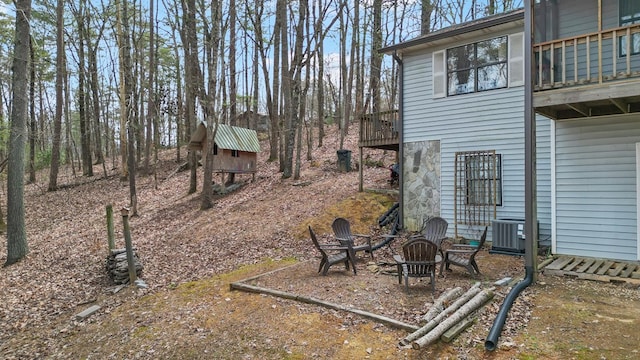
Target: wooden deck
594 269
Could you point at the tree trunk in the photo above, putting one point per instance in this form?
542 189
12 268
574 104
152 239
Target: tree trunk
209 103
189 40
274 113
376 58
425 15
320 83
17 247
95 97
85 132
123 95
57 121
151 101
127 102
33 129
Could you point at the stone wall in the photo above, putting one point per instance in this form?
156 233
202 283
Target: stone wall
421 178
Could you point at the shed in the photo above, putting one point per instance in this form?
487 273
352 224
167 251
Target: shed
235 149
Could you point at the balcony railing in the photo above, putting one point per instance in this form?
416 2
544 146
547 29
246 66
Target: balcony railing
587 59
380 130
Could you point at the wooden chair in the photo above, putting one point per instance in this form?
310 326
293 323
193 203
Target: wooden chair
419 261
434 229
333 254
464 256
342 230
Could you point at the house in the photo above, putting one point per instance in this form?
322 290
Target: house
462 125
235 149
591 90
462 128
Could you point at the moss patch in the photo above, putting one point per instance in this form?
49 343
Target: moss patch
362 210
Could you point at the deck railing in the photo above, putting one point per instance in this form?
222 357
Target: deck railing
379 129
587 59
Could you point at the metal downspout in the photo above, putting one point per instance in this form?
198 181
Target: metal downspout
530 208
400 138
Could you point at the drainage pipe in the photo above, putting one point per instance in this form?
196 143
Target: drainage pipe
492 339
530 209
400 126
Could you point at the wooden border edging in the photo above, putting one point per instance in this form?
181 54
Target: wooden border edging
309 300
240 285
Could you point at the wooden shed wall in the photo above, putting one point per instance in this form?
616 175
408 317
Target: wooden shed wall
244 163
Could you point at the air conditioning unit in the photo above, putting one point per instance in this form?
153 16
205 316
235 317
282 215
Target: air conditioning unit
507 236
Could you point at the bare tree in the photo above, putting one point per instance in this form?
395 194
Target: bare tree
32 115
85 131
212 43
151 100
17 247
126 100
57 121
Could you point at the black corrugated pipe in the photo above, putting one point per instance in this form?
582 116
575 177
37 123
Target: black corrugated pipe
492 339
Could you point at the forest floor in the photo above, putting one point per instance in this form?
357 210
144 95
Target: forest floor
190 257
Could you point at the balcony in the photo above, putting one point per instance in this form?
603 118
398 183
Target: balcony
380 130
588 75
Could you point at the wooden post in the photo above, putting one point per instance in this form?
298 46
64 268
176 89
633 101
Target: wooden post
110 233
128 246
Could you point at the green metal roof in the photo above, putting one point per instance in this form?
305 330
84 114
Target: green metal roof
236 138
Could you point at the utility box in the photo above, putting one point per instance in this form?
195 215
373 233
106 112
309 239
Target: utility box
507 236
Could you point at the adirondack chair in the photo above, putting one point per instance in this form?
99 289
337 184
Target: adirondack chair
342 230
333 254
420 259
464 256
434 229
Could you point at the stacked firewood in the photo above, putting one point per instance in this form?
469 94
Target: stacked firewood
446 322
118 267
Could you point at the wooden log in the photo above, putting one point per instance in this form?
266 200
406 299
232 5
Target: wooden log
473 291
479 300
438 305
458 328
309 300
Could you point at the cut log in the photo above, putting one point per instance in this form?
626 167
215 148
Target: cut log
458 328
479 300
475 289
310 300
438 305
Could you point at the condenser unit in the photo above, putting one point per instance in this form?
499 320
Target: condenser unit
507 236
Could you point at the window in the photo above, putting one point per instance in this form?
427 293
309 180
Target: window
478 186
483 179
629 15
215 149
235 153
477 67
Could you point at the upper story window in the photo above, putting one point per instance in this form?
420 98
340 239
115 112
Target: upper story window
629 15
235 153
489 64
477 67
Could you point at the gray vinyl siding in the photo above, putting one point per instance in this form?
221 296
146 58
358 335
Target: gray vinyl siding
579 17
490 120
595 183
